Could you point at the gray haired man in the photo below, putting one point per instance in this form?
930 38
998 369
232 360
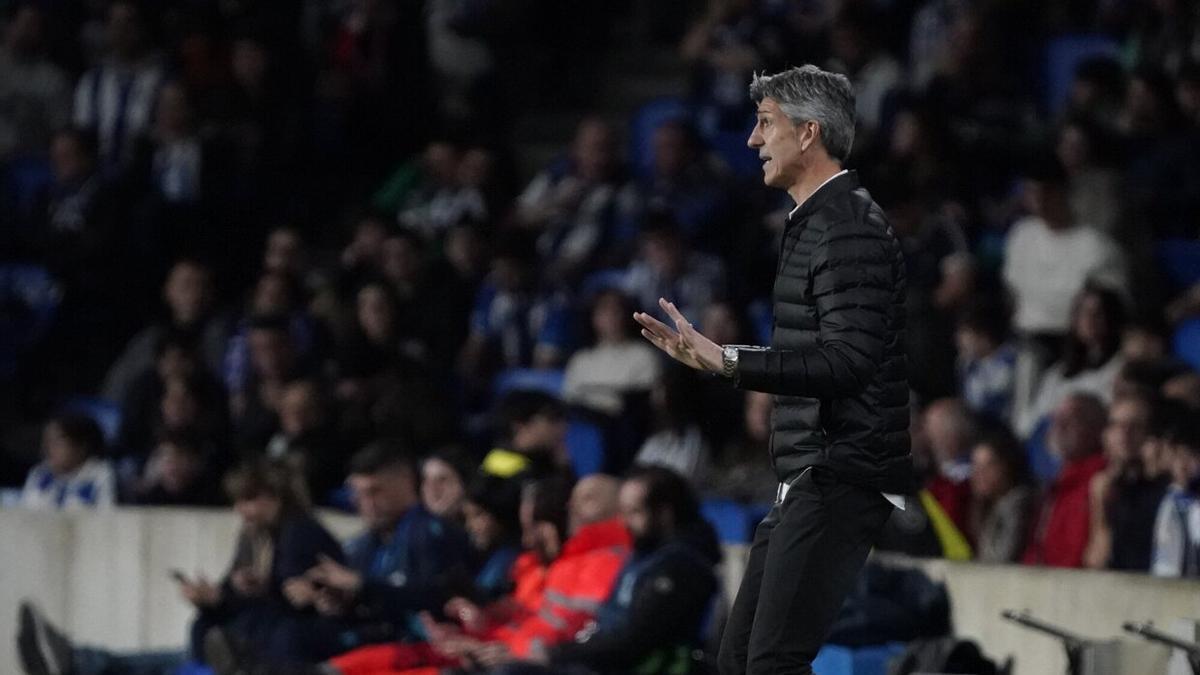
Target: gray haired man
836 366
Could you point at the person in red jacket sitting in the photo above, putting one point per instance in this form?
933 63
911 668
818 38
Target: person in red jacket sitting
1063 527
580 575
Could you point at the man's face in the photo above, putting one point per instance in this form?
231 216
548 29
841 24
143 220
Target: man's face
283 252
645 527
186 292
671 151
442 490
299 410
540 432
778 142
482 526
62 455
24 34
270 353
1126 431
259 512
1071 436
592 150
383 497
594 499
124 29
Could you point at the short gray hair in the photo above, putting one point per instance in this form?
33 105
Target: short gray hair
809 94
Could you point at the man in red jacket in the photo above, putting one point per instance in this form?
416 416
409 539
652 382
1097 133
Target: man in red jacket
577 581
1062 531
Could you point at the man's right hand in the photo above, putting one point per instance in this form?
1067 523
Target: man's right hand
466 613
300 592
200 592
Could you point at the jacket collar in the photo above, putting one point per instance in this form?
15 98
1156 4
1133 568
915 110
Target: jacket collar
835 186
609 533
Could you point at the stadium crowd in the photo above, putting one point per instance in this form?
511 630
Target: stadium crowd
285 252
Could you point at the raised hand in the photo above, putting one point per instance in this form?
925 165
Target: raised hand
685 344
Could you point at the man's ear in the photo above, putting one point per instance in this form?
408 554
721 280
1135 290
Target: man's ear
807 134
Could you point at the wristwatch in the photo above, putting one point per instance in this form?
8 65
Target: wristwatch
729 360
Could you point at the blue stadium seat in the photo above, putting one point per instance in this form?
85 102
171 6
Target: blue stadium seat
193 668
29 302
24 179
603 280
645 120
1063 55
873 660
548 381
1186 342
105 413
1180 261
1042 462
585 444
733 521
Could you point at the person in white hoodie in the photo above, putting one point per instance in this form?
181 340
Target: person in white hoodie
1177 527
72 475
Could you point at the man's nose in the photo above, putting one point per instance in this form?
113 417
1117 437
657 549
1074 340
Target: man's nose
755 139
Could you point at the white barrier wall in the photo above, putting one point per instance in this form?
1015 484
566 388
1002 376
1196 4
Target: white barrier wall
104 578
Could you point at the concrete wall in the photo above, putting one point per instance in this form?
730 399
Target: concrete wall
104 578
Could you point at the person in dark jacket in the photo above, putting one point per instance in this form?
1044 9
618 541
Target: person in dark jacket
403 565
654 618
836 366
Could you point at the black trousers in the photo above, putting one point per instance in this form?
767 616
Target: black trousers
804 560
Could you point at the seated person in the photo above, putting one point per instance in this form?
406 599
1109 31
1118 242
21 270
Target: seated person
73 473
617 362
444 477
653 619
987 360
402 565
307 439
1177 527
177 475
534 443
582 574
490 510
1003 500
280 539
1063 528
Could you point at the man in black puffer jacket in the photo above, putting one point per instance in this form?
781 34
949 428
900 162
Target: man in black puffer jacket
837 368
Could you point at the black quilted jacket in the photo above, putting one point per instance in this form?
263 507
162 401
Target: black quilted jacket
837 361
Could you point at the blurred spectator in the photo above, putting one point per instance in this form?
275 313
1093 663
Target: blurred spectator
116 98
572 204
930 37
444 476
490 508
739 472
1003 500
987 360
731 40
1184 388
285 253
1124 497
1097 92
951 434
533 437
34 92
372 346
685 182
661 595
1086 152
73 473
1177 526
307 441
874 73
515 323
1090 356
403 564
176 392
279 540
616 363
666 268
274 294
678 444
1063 527
1049 257
273 363
188 294
1187 93
409 192
178 473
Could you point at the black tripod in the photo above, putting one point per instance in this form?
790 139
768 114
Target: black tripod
1072 644
1148 631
